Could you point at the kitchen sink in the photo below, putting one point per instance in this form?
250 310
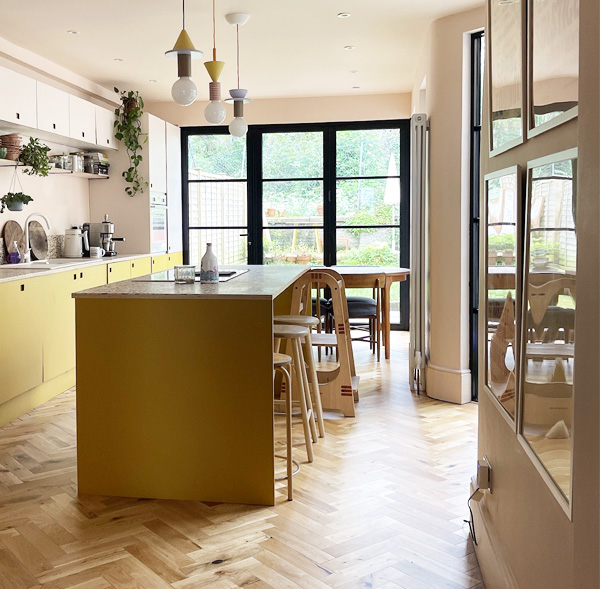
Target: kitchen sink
43 264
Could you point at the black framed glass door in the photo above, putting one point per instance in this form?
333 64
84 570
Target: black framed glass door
314 194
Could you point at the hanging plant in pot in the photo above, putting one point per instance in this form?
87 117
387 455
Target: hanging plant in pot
128 129
34 155
12 200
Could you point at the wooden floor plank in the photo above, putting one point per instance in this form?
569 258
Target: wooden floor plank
381 506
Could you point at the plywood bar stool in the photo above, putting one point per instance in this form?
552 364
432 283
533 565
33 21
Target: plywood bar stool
281 364
295 334
310 322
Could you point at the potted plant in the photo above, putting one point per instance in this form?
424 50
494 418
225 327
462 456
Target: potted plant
303 258
34 155
14 201
128 130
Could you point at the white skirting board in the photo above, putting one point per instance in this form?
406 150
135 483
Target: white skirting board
490 554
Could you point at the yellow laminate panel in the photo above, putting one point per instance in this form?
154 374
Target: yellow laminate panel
118 271
177 258
162 262
181 406
141 267
58 323
21 302
283 303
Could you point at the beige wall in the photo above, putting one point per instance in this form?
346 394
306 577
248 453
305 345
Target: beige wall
440 71
524 529
295 110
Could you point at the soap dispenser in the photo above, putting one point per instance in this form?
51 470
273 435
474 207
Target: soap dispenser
14 257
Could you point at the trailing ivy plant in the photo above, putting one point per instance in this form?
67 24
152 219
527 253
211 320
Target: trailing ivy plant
128 129
34 155
10 199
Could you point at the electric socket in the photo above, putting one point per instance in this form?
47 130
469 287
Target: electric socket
484 474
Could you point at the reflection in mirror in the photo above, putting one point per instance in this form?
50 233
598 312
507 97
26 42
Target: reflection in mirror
502 197
555 59
549 323
505 44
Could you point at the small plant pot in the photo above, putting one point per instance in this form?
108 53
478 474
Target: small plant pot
291 258
492 258
303 259
320 210
15 206
271 212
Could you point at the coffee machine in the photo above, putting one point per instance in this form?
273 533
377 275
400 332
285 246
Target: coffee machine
101 235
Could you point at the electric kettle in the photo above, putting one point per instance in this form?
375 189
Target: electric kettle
75 240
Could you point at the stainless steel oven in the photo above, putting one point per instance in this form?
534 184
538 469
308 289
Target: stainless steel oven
158 222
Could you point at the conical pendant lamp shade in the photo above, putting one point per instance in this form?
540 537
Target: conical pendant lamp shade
214 69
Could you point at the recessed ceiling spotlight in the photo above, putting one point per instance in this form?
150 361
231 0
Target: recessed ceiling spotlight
354 71
118 59
73 32
344 15
153 81
349 47
355 87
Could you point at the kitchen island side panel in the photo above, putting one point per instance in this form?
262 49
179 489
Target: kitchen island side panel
175 399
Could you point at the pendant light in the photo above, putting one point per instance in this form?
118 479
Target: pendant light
184 90
238 127
214 113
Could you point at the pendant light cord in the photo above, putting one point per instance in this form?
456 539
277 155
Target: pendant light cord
237 28
183 14
214 29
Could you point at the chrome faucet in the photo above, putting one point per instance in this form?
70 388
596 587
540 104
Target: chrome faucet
27 255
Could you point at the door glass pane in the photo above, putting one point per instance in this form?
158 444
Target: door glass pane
216 156
501 288
550 292
368 202
292 155
372 152
217 204
229 245
293 203
293 246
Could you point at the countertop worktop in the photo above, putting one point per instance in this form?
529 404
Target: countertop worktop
260 282
78 263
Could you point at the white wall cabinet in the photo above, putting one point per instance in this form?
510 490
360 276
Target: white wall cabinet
157 154
105 124
174 211
17 98
82 120
52 110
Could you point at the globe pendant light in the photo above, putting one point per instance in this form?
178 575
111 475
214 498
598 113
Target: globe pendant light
215 112
238 127
184 90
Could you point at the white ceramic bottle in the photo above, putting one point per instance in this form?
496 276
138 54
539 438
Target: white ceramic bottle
209 267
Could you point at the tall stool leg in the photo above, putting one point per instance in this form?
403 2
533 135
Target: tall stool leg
298 365
312 371
306 390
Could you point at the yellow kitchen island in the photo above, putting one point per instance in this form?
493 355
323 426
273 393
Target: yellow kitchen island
175 387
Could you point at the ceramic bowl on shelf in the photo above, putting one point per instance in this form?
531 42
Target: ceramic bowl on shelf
3 152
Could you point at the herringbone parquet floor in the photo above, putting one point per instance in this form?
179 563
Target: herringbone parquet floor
381 506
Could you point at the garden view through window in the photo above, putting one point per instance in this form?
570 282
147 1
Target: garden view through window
312 195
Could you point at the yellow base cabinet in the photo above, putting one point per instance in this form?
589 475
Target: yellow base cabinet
141 267
166 261
58 316
21 336
118 271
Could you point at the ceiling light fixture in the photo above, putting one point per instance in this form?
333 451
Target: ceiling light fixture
153 81
73 32
215 112
118 59
349 47
238 127
184 90
344 15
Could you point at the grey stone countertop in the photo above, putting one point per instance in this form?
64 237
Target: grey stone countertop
260 282
21 271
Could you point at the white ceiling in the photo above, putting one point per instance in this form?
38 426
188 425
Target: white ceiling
288 47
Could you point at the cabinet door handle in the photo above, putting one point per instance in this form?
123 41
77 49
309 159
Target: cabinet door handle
54 125
108 141
83 133
22 287
110 269
74 276
18 115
